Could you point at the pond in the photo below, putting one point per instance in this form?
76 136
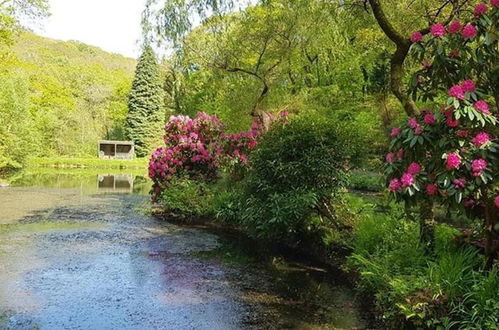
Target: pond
79 249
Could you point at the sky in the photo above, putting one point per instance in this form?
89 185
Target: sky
113 25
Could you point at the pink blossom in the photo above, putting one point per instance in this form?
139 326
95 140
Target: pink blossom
390 158
480 9
437 30
417 37
468 86
482 106
429 119
494 3
480 139
453 161
451 122
478 166
459 183
395 131
252 144
395 185
468 202
412 122
455 27
407 180
418 130
414 168
431 189
469 31
496 201
457 92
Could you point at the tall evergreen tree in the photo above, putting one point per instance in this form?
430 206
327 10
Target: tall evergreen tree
146 111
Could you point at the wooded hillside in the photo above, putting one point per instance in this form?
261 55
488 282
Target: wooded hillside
59 98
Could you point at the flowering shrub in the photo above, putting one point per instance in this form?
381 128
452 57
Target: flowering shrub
457 52
196 148
192 147
456 147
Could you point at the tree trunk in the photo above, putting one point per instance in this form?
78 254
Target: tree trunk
491 235
426 226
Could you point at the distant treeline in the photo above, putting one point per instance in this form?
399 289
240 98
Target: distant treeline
59 98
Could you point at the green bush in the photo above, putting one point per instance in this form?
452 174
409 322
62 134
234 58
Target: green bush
186 198
367 181
414 290
296 170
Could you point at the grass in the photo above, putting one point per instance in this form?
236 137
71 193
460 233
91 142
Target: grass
90 162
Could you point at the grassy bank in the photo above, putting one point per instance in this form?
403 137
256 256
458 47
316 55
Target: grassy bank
64 162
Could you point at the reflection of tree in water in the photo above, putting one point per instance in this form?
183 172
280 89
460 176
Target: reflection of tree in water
141 185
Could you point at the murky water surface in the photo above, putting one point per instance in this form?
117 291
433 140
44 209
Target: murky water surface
78 250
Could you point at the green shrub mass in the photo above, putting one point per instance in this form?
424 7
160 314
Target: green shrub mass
295 172
446 290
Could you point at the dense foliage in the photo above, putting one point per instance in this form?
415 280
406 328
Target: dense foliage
451 156
410 291
297 169
146 112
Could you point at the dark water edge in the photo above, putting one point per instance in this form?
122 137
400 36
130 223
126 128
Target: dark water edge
58 220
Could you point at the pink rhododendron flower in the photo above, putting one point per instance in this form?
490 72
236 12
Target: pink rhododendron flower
437 30
429 119
455 27
496 201
431 189
494 3
478 166
462 133
482 106
395 185
414 168
480 9
395 131
390 158
480 139
457 92
417 37
412 122
468 202
407 180
459 183
418 130
451 122
468 86
469 31
453 161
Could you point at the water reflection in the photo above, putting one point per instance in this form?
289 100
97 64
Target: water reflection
115 183
87 181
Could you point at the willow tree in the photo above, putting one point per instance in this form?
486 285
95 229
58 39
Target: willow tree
146 111
13 11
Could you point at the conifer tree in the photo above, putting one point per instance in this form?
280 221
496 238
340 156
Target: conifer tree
146 111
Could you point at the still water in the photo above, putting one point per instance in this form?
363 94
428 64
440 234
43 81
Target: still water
80 250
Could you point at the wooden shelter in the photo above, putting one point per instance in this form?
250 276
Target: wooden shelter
116 149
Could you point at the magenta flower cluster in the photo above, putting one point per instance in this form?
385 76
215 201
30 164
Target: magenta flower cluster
197 147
